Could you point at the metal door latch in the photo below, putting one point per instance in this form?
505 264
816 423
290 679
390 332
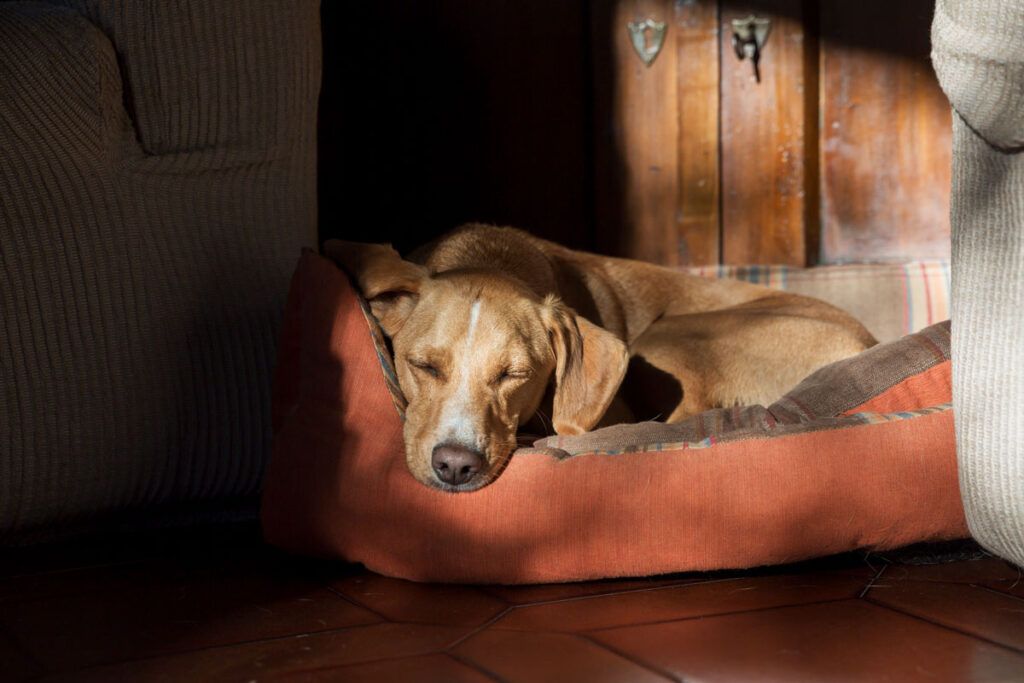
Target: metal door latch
646 50
748 38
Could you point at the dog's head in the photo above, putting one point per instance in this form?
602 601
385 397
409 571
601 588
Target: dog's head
475 352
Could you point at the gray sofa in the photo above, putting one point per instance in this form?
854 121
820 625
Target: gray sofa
157 181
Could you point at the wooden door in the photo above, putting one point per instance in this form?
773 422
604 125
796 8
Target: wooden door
542 115
840 152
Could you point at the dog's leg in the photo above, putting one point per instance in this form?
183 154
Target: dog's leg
748 355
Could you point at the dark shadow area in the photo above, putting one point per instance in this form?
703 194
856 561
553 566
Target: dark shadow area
437 113
650 392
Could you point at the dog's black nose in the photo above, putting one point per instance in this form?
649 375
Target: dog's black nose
455 464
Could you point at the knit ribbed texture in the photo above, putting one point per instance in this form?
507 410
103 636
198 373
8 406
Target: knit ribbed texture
157 180
979 56
988 348
978 53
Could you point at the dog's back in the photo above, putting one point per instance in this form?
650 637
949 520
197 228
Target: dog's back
724 342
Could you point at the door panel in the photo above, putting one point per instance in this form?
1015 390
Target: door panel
885 151
636 153
699 216
763 141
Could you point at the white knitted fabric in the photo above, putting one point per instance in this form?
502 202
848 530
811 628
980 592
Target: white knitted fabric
978 53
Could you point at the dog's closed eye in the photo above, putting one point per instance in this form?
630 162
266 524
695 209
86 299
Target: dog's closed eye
426 367
508 375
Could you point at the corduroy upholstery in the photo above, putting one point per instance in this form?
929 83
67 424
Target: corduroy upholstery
157 180
978 53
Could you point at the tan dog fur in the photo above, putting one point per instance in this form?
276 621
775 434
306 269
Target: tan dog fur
483 319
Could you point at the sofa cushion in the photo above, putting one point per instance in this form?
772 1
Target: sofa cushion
148 228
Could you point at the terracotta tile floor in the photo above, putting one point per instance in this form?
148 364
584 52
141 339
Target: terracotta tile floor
214 604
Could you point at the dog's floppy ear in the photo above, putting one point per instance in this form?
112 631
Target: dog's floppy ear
388 282
590 363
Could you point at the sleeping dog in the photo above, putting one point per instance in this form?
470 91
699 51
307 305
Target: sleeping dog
492 326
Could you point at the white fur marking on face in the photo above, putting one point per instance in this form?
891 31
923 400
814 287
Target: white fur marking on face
455 424
474 318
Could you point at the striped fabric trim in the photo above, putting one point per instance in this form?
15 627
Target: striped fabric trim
385 358
875 418
927 298
779 431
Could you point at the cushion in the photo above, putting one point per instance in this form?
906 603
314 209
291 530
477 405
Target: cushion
860 455
890 299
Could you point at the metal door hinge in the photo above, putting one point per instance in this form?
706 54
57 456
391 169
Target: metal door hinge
748 38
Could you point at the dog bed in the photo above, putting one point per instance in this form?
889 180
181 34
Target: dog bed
859 455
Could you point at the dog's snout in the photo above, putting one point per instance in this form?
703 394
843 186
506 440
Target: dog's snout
455 464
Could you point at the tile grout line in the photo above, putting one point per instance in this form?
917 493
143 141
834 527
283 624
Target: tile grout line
628 657
588 596
388 620
343 667
479 629
681 584
620 591
992 589
947 627
353 601
713 615
475 666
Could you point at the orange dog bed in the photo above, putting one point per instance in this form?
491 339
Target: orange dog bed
860 455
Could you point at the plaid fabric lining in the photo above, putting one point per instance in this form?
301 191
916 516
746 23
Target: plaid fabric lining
920 288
